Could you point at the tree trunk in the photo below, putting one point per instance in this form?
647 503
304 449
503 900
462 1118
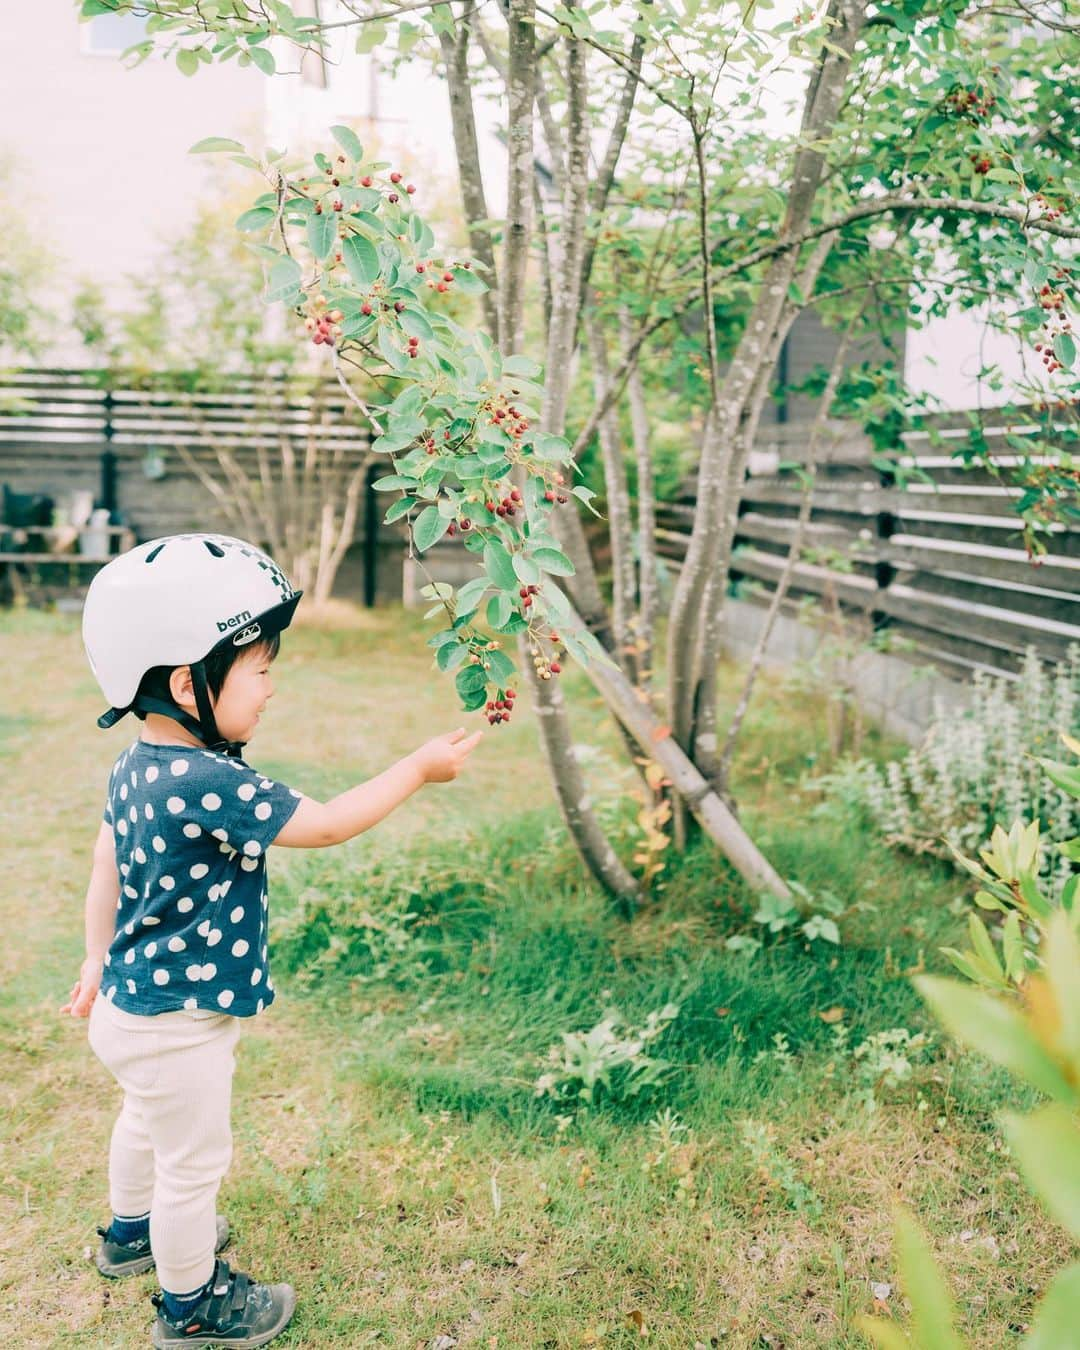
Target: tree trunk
648 597
720 469
720 778
620 527
555 734
456 51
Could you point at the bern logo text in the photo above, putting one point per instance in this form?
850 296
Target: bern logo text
244 616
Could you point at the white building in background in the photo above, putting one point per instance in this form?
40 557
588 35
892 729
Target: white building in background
98 154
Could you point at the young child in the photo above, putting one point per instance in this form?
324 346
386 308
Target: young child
181 631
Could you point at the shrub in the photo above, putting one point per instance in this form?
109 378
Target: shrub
977 769
1024 1014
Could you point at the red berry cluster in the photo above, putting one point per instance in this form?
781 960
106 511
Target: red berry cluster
433 285
1052 299
509 506
982 164
504 415
322 323
546 667
526 593
499 709
1051 212
462 526
969 104
414 347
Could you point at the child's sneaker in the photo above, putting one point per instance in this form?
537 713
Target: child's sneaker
235 1310
116 1260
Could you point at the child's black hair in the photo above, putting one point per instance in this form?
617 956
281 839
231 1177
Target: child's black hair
155 683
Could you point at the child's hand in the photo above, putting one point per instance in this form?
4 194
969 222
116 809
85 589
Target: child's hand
82 996
442 758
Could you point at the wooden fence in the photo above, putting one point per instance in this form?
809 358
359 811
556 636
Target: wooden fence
65 432
939 562
62 431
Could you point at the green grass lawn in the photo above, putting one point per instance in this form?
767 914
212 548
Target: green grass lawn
392 1159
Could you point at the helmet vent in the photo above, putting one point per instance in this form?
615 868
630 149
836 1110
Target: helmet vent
153 553
215 549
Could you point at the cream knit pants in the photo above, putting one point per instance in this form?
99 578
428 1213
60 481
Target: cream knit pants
172 1143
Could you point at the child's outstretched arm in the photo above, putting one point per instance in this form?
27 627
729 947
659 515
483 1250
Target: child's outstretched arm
319 824
101 898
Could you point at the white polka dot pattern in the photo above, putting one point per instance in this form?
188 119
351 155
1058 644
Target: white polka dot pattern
191 833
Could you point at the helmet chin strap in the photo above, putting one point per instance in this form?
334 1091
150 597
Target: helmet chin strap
204 727
209 733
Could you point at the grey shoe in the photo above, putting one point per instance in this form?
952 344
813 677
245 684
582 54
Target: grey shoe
235 1311
116 1260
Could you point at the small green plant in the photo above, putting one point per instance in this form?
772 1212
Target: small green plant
814 916
610 1058
976 770
886 1060
777 1170
1024 1014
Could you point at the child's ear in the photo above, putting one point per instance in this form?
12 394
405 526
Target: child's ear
182 690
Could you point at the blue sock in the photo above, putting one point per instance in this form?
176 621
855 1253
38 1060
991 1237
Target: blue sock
129 1230
177 1306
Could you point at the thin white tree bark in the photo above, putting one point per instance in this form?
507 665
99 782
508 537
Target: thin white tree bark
732 409
456 53
617 492
648 580
720 779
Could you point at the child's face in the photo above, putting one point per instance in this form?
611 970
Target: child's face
244 695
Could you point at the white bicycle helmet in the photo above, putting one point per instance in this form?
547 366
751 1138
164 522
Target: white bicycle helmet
171 602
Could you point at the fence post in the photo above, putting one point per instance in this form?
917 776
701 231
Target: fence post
108 459
884 527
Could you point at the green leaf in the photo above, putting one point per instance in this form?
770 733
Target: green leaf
551 560
394 481
322 233
502 668
1062 954
1065 349
526 570
545 446
416 325
997 1031
429 527
451 656
398 509
885 1335
470 595
498 566
470 679
499 609
263 57
392 354
1055 1317
258 218
361 258
284 279
1064 776
186 61
933 1315
521 365
468 282
1047 1148
369 37
349 142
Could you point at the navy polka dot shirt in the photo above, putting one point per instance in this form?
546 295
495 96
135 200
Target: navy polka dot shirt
191 829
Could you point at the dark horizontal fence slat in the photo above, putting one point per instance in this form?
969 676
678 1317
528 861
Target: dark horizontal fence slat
56 425
934 552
